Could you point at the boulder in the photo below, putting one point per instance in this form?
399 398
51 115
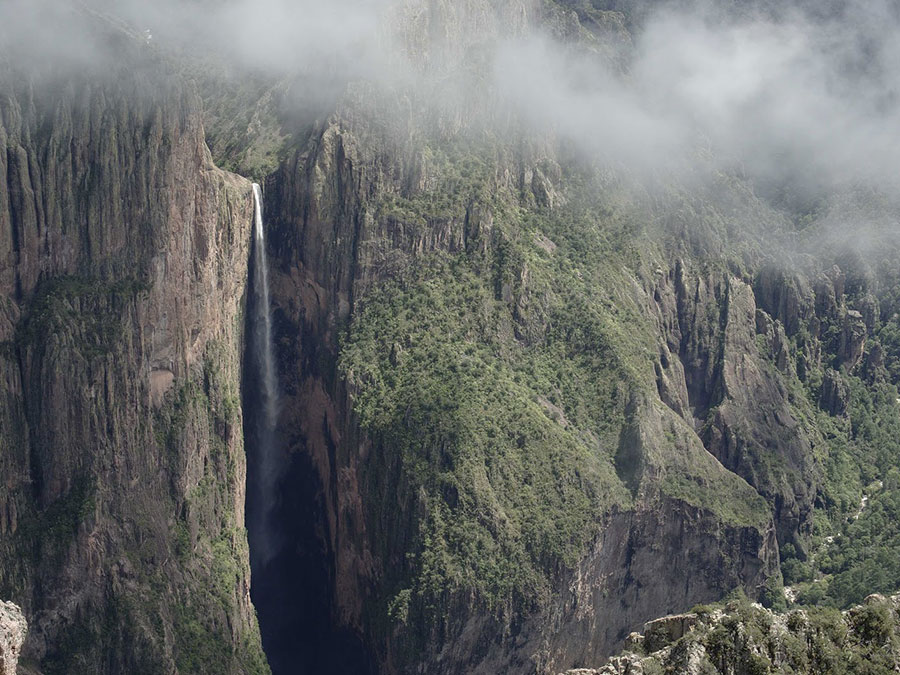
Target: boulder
13 627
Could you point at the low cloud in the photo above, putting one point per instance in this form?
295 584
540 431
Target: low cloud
793 97
787 94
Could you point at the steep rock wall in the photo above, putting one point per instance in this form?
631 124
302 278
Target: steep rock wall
333 246
713 373
124 265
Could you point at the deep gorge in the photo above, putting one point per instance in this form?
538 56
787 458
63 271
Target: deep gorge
291 563
478 377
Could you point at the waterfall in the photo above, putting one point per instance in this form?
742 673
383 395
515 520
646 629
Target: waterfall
291 563
266 465
263 319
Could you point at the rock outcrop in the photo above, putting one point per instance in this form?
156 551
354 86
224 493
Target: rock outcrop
741 638
13 628
713 373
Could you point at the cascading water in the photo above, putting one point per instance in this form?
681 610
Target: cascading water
263 320
290 561
266 465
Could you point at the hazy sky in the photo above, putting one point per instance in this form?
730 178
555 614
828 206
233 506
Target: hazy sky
810 98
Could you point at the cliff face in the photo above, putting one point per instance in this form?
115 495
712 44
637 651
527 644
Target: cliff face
533 402
124 265
502 485
715 376
655 533
528 401
452 351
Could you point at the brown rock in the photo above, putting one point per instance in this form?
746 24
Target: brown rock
123 267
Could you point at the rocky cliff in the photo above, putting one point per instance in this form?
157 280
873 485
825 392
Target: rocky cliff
124 265
532 402
529 401
739 637
473 391
425 430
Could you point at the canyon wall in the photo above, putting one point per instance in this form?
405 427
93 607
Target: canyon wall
528 401
124 267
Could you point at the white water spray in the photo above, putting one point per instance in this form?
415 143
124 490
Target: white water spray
266 451
263 320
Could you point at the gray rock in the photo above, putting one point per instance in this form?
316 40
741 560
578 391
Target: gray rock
662 632
853 339
13 628
835 394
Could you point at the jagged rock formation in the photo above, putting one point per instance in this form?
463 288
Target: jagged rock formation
739 638
123 267
13 628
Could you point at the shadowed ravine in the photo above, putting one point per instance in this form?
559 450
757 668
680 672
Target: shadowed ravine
291 564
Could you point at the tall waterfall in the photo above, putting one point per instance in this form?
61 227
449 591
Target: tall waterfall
291 562
263 319
266 453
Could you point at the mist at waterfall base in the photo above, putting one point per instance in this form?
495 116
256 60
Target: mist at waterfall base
290 560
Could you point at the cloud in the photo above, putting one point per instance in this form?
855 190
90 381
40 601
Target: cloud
275 36
793 94
795 97
278 36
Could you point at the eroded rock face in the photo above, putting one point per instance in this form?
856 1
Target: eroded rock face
672 548
123 265
13 628
713 374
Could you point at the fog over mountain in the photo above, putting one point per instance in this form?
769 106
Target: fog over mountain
807 95
814 99
449 336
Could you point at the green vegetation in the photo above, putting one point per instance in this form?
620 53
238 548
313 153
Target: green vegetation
722 493
52 530
499 374
855 544
199 643
87 311
510 484
204 537
744 639
865 557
